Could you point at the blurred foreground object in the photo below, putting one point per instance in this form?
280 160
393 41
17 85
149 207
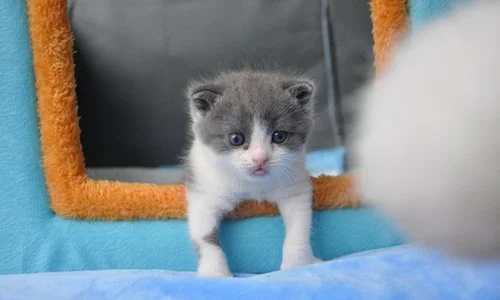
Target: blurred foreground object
427 149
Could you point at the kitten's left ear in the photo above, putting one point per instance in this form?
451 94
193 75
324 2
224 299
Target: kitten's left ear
302 90
202 98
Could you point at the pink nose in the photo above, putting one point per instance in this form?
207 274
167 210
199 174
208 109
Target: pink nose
259 157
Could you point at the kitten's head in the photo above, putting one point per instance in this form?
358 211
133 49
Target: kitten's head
255 123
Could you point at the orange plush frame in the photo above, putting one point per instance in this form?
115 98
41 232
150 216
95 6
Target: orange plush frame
390 21
73 194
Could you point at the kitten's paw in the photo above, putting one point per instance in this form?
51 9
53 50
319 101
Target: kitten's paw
213 271
290 263
317 260
214 274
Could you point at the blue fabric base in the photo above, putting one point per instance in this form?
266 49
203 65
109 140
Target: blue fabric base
33 239
398 273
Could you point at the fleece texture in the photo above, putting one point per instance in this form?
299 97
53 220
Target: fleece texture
35 239
396 273
390 23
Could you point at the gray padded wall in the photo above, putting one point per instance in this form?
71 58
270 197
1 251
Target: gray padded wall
353 45
134 58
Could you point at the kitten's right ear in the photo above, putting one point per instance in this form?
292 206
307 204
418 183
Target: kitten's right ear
302 90
202 98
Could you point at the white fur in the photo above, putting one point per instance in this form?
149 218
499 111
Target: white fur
429 143
260 146
223 181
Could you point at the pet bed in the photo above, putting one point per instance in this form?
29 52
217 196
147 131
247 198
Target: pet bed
55 218
38 239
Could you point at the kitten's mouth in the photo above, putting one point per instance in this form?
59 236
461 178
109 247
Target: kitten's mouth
260 171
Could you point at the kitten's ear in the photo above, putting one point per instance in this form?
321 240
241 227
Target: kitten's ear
302 90
202 98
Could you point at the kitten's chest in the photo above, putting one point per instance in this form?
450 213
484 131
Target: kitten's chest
259 191
235 189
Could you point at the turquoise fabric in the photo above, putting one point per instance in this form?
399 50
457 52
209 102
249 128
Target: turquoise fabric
33 239
424 11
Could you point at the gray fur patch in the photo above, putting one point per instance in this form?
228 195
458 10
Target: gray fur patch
275 100
212 237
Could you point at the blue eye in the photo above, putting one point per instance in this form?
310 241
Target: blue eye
236 139
279 137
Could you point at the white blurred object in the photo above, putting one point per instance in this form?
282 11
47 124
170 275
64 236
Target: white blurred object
428 147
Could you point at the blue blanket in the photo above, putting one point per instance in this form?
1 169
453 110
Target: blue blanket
402 272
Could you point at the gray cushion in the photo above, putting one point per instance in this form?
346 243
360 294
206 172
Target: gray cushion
134 58
137 174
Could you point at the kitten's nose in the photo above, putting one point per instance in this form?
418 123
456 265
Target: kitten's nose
259 157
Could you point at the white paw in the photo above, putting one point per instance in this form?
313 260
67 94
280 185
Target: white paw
317 260
210 270
289 263
214 274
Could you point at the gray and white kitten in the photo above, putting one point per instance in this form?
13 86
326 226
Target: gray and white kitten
428 146
249 142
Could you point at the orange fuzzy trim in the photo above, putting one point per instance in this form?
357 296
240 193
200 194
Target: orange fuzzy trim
72 193
390 22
